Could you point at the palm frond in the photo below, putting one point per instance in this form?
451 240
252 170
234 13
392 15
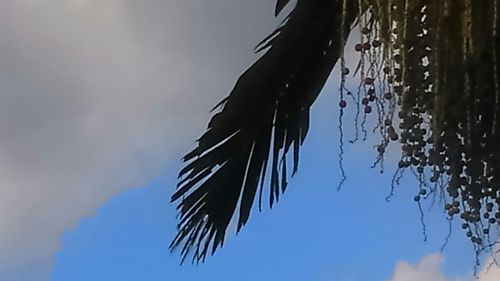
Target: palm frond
265 115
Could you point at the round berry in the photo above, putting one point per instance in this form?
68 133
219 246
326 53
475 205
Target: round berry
381 149
394 136
489 206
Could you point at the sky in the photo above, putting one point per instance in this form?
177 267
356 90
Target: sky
99 99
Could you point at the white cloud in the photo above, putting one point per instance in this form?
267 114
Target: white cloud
429 268
490 271
100 96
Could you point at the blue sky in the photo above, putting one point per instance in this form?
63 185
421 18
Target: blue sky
314 233
98 102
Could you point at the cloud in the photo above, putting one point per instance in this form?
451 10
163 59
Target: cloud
100 96
490 272
429 268
426 269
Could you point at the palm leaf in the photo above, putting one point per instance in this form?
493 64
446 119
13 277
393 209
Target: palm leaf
265 115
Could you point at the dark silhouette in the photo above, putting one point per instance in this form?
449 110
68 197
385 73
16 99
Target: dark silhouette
434 61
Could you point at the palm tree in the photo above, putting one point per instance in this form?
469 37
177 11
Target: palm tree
430 68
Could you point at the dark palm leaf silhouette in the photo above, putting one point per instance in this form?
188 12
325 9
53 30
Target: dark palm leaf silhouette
435 61
266 113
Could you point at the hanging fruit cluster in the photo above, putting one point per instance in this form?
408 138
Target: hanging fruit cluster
430 69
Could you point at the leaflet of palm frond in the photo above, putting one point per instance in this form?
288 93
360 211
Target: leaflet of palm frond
280 5
265 115
268 40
